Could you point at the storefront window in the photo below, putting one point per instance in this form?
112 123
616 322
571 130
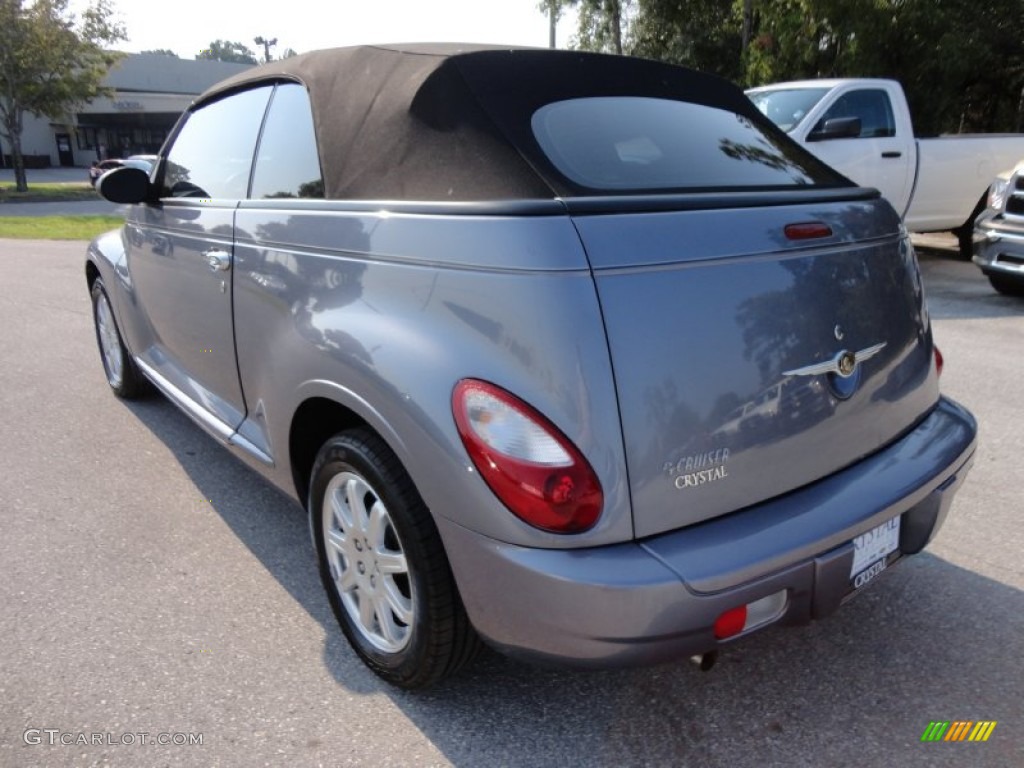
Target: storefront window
86 137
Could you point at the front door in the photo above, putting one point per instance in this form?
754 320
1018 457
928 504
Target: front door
878 157
64 151
181 270
181 255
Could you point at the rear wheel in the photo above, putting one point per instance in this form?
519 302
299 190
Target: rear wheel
1007 285
123 376
383 565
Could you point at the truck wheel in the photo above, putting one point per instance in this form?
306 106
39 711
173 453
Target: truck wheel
383 564
124 377
1007 285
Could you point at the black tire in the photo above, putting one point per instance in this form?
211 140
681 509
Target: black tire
1007 285
438 640
127 383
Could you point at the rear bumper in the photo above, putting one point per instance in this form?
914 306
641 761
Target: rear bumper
657 599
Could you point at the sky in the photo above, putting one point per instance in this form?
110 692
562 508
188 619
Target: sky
188 26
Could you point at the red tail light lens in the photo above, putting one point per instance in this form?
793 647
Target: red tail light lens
939 362
808 230
529 464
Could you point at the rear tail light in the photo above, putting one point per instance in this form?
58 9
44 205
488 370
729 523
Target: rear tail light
939 362
529 464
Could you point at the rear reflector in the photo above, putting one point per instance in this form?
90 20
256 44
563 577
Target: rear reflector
939 362
731 622
737 620
808 230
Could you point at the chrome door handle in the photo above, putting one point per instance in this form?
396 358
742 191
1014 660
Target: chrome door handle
218 260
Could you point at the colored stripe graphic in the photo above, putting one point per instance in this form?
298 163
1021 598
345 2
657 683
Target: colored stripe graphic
983 730
958 730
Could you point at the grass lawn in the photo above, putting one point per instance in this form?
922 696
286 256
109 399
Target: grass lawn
57 227
51 192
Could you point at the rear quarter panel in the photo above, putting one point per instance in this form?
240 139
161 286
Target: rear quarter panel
384 313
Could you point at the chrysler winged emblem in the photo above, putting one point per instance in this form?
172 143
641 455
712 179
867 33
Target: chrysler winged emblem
843 364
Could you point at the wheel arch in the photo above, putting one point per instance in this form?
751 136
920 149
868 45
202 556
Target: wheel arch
314 422
965 232
325 410
92 273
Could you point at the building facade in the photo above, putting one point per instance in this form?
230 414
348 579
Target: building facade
150 93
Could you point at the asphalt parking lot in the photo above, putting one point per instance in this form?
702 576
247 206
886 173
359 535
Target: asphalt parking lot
150 583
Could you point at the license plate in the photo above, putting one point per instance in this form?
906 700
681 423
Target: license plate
870 550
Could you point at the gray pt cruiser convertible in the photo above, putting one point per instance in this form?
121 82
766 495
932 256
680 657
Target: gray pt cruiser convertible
575 354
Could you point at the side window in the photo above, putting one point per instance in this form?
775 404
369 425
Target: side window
871 106
212 153
287 164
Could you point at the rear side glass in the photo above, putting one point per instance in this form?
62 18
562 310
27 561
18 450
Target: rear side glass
629 143
287 163
212 154
873 108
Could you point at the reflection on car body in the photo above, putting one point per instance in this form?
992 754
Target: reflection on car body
560 351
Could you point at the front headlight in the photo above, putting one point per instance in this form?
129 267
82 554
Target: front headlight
997 194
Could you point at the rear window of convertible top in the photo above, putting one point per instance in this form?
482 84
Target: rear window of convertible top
634 144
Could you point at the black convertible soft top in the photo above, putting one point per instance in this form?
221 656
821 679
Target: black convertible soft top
452 122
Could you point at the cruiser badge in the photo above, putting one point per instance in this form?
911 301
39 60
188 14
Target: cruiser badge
696 470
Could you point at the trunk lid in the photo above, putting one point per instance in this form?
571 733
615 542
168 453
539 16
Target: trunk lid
721 328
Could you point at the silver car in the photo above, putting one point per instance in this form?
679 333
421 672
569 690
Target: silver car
574 354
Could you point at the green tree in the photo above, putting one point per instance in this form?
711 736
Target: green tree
50 62
225 50
701 34
602 23
961 62
704 34
161 52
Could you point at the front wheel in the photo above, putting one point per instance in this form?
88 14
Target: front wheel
383 564
123 376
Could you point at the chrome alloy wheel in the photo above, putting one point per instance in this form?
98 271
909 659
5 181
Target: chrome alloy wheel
367 562
110 343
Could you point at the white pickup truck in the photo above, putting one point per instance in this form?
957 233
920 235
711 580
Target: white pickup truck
862 128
